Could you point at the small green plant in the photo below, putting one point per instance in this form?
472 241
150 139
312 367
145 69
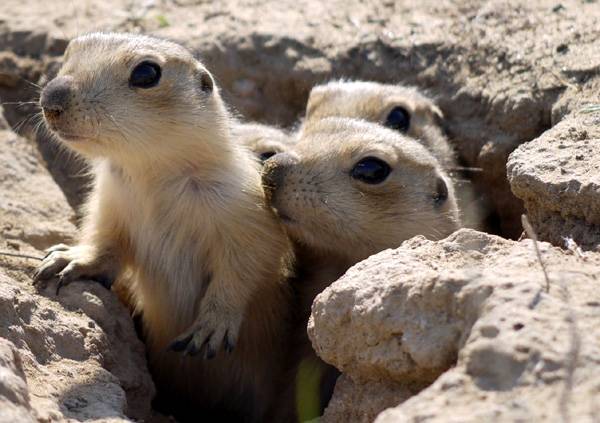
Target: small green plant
163 22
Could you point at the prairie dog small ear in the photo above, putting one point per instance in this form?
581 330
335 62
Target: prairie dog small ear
437 113
70 46
315 98
205 80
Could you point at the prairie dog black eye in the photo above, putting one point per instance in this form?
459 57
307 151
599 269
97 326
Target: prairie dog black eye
398 119
145 75
441 192
371 170
266 155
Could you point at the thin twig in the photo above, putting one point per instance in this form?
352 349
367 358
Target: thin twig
28 256
465 168
531 234
591 108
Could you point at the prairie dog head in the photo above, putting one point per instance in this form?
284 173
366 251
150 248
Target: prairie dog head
402 109
356 188
262 140
131 97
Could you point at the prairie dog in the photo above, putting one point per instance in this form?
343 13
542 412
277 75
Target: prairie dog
350 189
403 109
179 209
263 140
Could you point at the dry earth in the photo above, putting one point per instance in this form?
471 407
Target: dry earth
510 76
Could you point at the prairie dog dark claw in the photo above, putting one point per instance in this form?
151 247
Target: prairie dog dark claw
228 345
180 344
213 330
75 263
209 353
59 285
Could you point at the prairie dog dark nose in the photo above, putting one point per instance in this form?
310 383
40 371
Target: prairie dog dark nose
56 96
274 171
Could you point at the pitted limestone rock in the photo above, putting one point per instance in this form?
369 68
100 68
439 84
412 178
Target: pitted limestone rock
472 313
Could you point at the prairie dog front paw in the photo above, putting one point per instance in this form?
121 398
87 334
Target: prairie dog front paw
217 325
67 264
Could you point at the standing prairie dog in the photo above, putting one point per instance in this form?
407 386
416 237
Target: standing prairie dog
263 140
178 206
350 189
403 109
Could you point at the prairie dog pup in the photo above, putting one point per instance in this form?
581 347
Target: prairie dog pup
403 109
178 206
351 189
263 140
353 183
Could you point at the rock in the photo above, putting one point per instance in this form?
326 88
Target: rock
362 402
14 396
73 356
471 314
556 175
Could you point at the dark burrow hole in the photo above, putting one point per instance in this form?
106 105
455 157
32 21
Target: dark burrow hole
70 175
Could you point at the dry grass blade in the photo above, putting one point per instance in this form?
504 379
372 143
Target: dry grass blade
27 256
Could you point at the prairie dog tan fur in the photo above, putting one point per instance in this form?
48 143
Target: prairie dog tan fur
179 207
263 140
351 189
400 108
405 110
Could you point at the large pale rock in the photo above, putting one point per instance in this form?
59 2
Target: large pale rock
14 396
558 177
75 356
496 68
472 314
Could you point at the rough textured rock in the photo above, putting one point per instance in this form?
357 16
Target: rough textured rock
558 177
362 402
75 356
472 313
14 396
267 56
